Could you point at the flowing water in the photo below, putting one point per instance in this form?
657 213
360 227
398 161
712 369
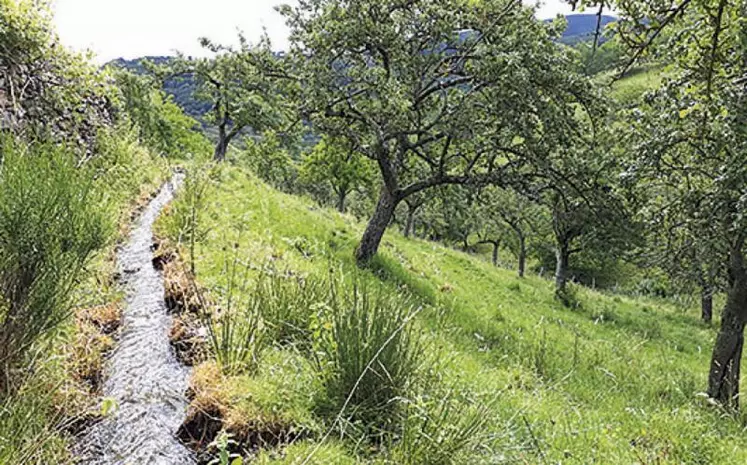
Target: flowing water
142 375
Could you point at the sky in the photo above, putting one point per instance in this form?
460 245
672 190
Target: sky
135 28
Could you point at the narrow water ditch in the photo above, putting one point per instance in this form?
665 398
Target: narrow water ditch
142 376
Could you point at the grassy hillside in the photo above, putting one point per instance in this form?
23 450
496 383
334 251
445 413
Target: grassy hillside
615 380
637 82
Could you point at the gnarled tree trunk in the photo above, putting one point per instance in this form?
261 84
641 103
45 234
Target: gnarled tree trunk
410 224
221 147
723 378
341 196
376 227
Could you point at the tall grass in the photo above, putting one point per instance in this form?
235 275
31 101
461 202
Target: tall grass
371 354
25 425
441 429
276 308
185 221
290 305
236 332
51 222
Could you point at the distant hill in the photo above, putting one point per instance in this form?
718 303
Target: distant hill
182 89
582 27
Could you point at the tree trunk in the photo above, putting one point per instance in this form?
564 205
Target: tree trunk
723 378
522 256
222 146
376 227
495 253
706 304
410 224
341 201
561 270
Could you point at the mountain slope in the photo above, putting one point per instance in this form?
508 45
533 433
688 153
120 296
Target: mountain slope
583 26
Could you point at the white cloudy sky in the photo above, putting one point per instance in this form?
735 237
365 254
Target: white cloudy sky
133 28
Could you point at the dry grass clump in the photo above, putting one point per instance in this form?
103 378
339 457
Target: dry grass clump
186 302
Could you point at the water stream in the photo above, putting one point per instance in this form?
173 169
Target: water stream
142 374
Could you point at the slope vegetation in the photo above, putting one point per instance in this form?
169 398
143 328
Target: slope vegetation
614 380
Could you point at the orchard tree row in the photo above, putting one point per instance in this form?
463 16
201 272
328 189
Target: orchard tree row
466 121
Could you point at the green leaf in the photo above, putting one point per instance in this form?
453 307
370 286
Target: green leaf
108 406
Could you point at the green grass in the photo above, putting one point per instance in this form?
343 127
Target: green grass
637 82
616 380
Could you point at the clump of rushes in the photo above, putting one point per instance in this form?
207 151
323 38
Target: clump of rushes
237 339
237 332
370 354
439 429
288 305
275 308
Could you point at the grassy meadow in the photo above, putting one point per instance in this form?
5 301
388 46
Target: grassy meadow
504 373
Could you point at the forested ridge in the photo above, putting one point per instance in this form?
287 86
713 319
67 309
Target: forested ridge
429 232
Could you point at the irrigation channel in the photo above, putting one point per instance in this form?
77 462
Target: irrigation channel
142 375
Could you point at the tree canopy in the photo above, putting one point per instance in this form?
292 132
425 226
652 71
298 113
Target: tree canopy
463 93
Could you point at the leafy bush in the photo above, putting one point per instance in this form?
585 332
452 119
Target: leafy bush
122 166
51 221
162 125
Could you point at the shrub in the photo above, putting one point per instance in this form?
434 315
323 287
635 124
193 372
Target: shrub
51 222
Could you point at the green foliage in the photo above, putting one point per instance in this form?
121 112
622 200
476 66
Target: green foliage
162 125
122 166
606 57
239 84
270 160
222 443
338 165
429 105
449 215
45 89
445 429
50 224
